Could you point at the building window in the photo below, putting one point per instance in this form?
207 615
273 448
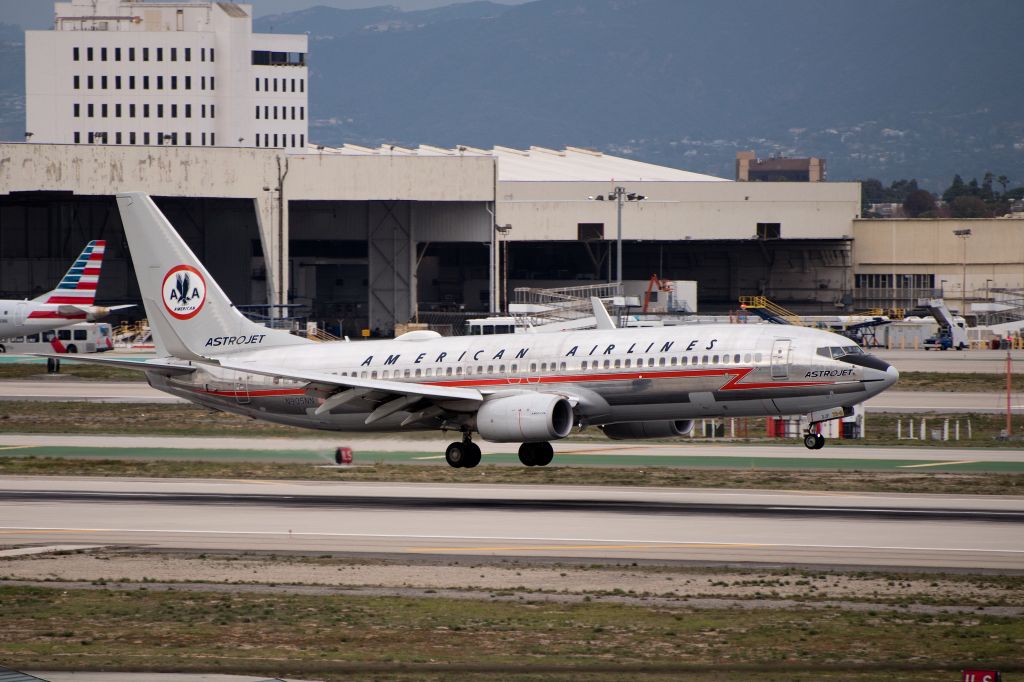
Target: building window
257 85
257 111
131 112
213 111
117 82
145 138
213 82
202 83
117 112
293 139
213 136
293 113
75 54
145 112
257 139
145 57
88 54
174 52
159 54
117 54
131 82
302 140
77 82
159 82
188 54
131 137
275 139
769 230
212 59
203 114
159 110
266 111
293 85
174 82
188 82
188 111
302 85
131 55
103 54
103 110
103 82
78 137
174 111
266 85
302 113
266 139
117 135
188 139
202 54
204 139
77 108
275 85
89 82
145 82
89 110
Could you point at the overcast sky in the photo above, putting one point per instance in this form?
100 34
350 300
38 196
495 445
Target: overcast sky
39 13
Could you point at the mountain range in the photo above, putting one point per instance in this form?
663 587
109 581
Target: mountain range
916 88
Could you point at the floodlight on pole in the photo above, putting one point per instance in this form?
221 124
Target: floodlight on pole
619 195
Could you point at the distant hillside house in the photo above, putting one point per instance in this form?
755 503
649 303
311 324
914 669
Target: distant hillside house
749 168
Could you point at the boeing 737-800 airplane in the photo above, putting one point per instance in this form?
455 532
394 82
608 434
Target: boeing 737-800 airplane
71 302
526 388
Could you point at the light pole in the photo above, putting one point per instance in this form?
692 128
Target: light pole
503 283
963 235
619 195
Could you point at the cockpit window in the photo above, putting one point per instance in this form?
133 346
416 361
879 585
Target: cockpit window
836 352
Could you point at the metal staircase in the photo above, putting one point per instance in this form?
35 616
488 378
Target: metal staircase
561 306
768 311
1013 299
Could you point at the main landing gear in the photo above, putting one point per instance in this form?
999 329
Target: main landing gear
814 441
464 455
536 454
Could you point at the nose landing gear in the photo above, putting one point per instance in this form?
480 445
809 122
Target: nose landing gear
814 441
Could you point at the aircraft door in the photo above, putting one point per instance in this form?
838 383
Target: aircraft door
19 312
242 389
780 358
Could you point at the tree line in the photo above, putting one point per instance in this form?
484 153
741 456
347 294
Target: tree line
988 199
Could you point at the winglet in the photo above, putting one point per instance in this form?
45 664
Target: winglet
604 320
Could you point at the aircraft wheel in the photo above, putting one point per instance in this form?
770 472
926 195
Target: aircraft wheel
3 348
455 455
72 348
528 454
472 454
811 441
543 454
819 441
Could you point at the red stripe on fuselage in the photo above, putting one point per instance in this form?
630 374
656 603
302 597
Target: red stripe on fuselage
53 315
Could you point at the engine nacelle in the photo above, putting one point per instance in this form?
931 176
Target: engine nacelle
654 429
524 418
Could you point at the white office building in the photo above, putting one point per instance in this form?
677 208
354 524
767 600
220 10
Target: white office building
126 72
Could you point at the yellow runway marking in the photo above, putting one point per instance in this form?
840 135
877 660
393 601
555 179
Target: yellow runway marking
937 464
563 547
48 530
600 450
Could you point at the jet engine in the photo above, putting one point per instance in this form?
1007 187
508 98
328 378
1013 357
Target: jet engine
654 429
524 418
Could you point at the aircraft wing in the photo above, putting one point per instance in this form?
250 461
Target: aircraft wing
153 365
393 393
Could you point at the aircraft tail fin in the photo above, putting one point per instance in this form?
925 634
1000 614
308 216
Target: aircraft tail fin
78 286
190 315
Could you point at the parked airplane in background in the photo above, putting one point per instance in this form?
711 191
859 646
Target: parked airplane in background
526 388
71 302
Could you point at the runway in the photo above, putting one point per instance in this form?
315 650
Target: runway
710 526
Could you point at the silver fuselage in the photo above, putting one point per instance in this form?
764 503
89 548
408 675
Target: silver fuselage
610 376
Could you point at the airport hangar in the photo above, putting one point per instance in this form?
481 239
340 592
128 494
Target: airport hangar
370 237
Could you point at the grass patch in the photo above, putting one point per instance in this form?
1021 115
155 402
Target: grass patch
79 370
864 481
286 634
